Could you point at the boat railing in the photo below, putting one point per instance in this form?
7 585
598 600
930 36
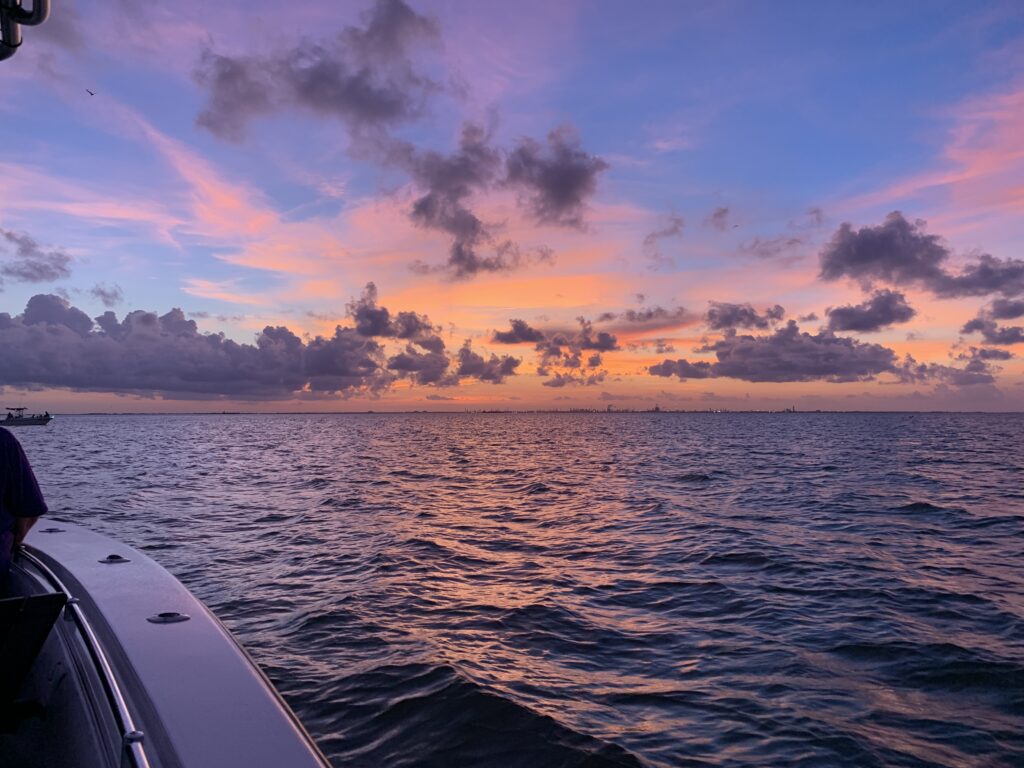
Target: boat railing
133 753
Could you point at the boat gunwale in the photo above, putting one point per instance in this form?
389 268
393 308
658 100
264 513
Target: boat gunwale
131 736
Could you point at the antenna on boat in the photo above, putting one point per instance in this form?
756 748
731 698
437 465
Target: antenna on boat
13 16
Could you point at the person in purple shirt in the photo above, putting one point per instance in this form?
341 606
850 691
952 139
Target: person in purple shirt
21 501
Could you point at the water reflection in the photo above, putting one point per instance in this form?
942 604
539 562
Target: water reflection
637 588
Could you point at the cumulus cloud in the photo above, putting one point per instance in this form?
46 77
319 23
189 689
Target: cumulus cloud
883 309
55 344
556 180
981 353
977 369
364 77
722 315
22 259
560 380
561 353
1007 309
683 369
900 252
494 369
519 333
554 187
449 182
588 339
373 320
993 333
784 356
791 355
423 367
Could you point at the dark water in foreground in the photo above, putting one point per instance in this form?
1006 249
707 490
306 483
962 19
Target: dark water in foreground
570 590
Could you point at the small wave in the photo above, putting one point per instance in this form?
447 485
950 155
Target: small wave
349 503
693 477
380 717
535 488
414 475
919 506
750 559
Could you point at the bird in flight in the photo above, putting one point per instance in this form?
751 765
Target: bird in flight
91 93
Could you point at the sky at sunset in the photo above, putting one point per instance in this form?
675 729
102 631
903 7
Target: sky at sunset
451 205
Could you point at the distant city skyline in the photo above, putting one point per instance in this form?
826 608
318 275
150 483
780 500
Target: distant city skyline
439 205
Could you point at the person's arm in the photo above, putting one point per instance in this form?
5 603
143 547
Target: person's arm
22 496
22 525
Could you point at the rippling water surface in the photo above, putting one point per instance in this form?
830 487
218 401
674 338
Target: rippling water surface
569 590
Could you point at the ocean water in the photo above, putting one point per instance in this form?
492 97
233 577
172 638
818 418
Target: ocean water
593 589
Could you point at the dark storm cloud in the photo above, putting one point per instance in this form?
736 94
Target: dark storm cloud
718 218
22 259
364 76
557 180
55 344
110 296
495 369
519 332
883 309
900 252
723 315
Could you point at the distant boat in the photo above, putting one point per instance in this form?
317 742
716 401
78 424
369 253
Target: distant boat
16 418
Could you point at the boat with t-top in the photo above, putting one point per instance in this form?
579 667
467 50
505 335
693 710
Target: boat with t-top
16 418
